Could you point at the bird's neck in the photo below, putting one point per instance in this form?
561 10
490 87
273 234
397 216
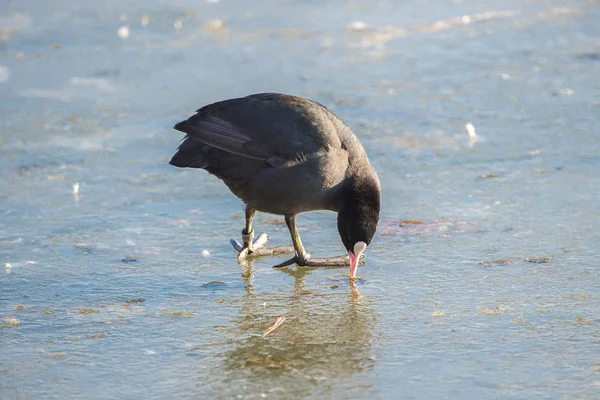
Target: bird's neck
359 212
359 196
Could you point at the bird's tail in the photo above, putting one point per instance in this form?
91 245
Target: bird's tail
191 154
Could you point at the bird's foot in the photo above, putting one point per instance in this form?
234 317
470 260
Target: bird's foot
305 261
257 247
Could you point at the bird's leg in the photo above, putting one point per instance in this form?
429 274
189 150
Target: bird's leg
302 258
248 233
255 247
301 255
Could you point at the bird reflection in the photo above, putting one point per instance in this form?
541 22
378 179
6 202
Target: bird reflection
326 337
248 276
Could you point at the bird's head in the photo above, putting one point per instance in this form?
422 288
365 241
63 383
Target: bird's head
357 219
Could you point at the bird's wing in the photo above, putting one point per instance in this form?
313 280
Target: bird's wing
221 134
279 129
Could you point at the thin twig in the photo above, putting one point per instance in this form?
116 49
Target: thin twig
278 322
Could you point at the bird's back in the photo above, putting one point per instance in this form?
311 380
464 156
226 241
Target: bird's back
278 153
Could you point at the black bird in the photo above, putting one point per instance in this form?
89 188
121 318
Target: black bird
286 155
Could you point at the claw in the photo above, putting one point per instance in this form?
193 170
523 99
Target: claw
286 263
261 241
340 261
242 254
236 245
257 248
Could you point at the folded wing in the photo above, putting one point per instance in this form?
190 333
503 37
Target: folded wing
279 129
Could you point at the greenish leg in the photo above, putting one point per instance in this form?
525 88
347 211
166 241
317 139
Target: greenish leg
301 254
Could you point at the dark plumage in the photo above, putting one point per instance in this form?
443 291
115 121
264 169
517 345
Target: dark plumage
285 155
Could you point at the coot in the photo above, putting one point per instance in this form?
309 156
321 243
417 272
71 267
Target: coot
285 155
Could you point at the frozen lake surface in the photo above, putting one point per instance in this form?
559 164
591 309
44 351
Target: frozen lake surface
483 280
